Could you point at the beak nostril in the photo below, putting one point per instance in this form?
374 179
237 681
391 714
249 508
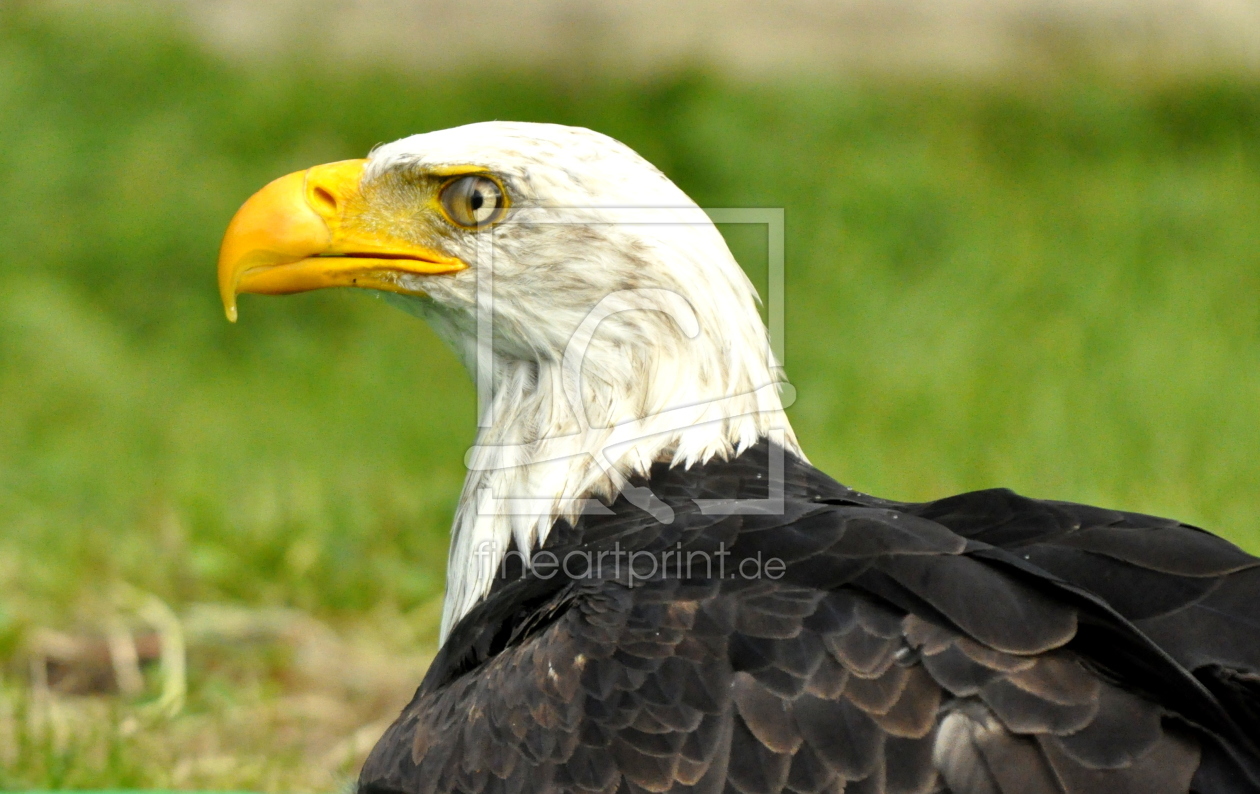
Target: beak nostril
325 201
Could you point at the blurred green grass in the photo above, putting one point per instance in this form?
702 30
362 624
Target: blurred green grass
1053 286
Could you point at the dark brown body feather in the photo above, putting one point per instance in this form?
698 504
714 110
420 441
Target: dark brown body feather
984 643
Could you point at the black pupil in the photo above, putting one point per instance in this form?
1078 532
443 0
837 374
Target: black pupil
477 200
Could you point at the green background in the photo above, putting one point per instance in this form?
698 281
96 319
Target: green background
1048 284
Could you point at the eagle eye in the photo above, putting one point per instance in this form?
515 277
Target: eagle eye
473 201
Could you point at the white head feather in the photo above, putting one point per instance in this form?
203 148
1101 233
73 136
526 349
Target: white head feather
623 333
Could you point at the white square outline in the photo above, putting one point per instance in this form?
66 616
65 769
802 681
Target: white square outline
771 217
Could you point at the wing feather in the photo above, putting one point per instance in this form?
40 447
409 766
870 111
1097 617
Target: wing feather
983 644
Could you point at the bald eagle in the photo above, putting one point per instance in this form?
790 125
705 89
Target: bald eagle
650 589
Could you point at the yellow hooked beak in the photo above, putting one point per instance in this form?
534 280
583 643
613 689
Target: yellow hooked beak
308 231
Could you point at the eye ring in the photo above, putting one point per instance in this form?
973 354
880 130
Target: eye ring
473 201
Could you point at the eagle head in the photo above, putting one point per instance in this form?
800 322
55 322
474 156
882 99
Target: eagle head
603 317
